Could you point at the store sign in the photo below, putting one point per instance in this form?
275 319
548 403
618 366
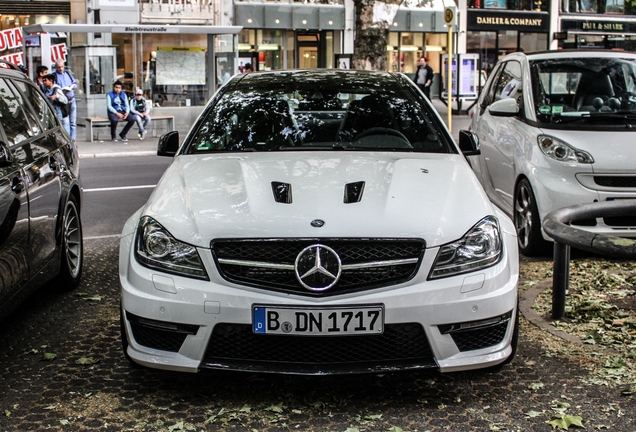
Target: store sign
598 26
537 22
58 51
11 38
16 59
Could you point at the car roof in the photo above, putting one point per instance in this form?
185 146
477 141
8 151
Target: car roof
571 53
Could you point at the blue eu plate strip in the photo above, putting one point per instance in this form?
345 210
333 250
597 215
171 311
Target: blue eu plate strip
259 320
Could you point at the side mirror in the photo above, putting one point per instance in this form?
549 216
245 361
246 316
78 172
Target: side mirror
469 143
168 144
6 158
504 108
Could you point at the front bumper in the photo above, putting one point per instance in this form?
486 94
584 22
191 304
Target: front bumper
183 324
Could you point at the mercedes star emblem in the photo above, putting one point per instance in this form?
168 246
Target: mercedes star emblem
318 267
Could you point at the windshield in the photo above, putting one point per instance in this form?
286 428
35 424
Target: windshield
313 110
592 90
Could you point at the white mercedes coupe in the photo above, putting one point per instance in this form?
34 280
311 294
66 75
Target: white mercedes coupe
319 222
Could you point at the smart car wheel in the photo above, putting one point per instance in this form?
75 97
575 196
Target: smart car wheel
527 221
72 245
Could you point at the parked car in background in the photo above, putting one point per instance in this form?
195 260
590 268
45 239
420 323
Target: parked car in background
40 194
557 128
318 222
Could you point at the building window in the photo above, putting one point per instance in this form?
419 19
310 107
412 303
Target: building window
270 48
519 5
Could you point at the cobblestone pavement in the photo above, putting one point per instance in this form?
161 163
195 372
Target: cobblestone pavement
89 385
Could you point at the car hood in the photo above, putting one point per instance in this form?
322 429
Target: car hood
613 151
435 197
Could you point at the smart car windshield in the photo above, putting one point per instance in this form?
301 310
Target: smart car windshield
326 110
593 90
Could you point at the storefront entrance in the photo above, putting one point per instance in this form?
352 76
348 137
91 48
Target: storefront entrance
315 49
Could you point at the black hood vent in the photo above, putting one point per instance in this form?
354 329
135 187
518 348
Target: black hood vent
353 192
282 192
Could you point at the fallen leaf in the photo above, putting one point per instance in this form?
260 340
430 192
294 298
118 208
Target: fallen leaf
86 361
48 356
535 386
178 426
563 421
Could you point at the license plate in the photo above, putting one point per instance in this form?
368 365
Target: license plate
318 322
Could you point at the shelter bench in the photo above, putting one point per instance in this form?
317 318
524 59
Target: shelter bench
100 121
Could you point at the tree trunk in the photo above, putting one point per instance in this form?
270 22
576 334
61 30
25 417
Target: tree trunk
373 22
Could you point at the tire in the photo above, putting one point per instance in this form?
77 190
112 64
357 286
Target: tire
72 246
527 221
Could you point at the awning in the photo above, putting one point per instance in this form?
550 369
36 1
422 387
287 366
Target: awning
131 28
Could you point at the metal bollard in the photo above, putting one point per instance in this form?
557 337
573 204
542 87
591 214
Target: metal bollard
560 279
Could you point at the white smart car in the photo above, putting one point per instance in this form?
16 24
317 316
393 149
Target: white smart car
558 128
319 222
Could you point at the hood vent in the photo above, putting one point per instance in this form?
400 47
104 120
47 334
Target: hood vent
282 192
353 192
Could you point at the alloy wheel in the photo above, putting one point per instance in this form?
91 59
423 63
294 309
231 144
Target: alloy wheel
72 239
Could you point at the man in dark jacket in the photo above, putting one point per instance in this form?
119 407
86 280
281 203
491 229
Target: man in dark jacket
424 77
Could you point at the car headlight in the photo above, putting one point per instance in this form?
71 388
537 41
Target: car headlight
563 152
479 248
156 248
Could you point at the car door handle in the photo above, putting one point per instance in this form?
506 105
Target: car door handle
17 185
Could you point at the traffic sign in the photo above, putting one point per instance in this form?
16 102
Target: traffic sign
449 15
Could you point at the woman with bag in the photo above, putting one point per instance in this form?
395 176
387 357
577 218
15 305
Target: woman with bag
58 100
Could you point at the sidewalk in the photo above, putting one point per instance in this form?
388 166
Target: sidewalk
148 147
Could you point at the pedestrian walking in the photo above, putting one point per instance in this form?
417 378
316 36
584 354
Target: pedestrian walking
40 72
119 110
424 77
65 80
57 97
141 108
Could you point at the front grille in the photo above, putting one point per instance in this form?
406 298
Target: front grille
159 334
616 181
236 346
469 340
350 251
620 221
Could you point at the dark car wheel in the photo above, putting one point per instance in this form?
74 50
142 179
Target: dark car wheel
72 246
527 221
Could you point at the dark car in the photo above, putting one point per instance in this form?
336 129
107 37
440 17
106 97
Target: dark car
40 194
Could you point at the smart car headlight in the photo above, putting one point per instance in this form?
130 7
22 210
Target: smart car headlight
479 248
563 152
156 248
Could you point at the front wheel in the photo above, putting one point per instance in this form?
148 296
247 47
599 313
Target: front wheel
72 246
527 221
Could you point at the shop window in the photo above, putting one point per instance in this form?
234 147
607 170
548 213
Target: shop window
392 52
614 6
291 50
329 50
522 5
587 6
270 48
529 42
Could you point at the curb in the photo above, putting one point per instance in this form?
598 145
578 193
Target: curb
527 299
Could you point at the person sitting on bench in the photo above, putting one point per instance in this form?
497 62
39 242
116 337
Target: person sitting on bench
118 110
